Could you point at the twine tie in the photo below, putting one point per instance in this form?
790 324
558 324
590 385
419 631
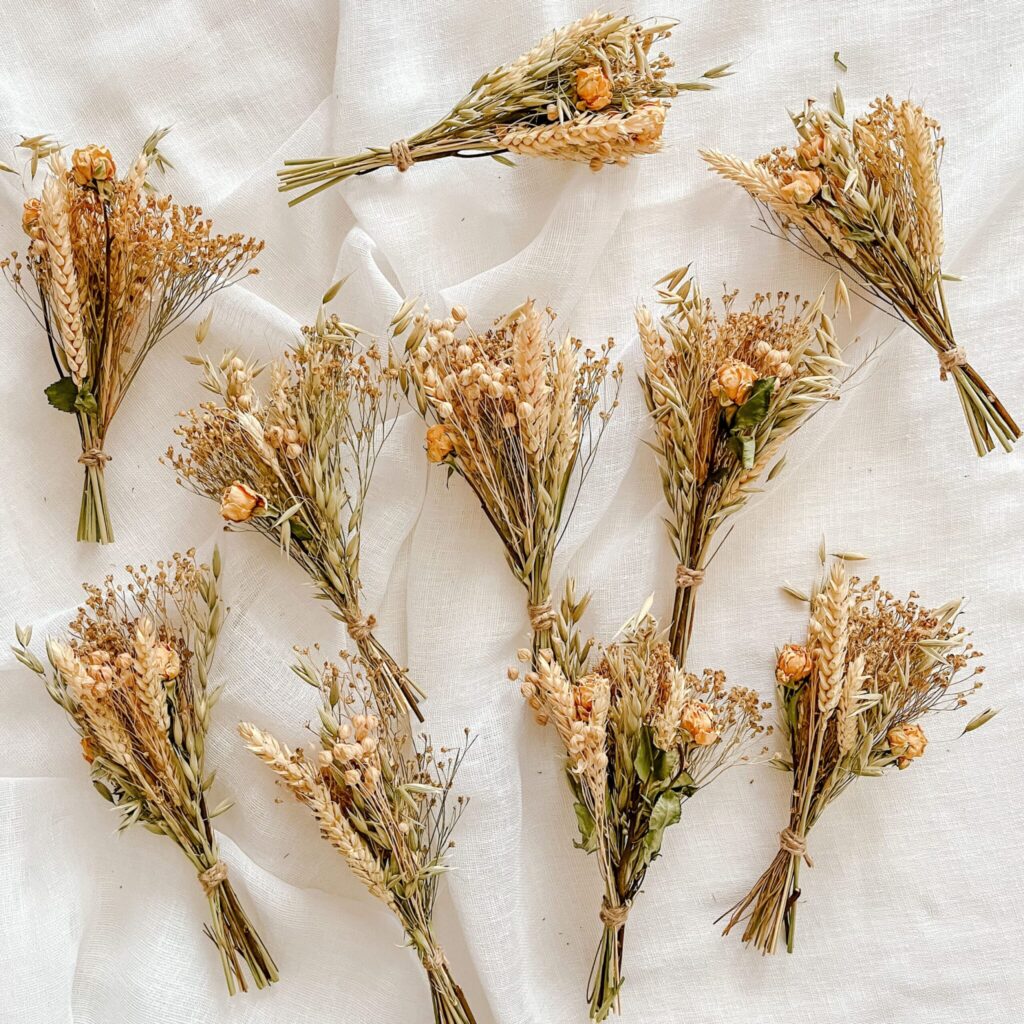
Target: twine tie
360 629
795 844
687 577
542 616
94 457
950 359
401 155
213 876
613 916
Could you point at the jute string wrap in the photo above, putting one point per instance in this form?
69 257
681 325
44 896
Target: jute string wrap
950 360
613 917
542 616
360 629
401 155
794 844
213 876
93 457
687 577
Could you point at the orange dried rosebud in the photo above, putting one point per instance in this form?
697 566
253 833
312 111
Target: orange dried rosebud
92 163
697 723
167 661
583 697
89 751
30 216
238 504
906 742
732 382
439 444
593 87
793 664
802 187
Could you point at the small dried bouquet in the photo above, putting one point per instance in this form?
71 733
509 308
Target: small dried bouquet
384 803
112 267
512 410
133 675
641 736
588 92
866 199
850 700
296 464
725 391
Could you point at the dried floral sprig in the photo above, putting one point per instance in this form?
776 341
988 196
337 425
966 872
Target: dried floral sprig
112 268
850 700
726 392
384 803
518 414
133 674
641 736
866 200
588 92
296 465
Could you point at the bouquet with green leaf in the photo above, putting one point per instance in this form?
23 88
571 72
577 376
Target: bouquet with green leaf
133 675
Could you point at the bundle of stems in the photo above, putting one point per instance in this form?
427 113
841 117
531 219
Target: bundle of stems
296 465
512 410
641 736
726 392
112 268
385 804
133 675
588 92
850 700
867 200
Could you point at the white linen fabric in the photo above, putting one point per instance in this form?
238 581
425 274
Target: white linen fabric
914 909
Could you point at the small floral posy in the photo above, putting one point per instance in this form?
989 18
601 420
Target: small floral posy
850 698
383 802
867 201
641 736
133 675
588 92
113 267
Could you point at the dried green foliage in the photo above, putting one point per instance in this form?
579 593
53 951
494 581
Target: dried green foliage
589 92
133 675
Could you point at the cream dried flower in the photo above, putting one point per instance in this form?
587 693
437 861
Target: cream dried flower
906 742
732 382
238 504
793 664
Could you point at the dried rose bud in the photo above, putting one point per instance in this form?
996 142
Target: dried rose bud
793 665
238 504
906 742
802 187
92 163
439 444
593 87
168 662
732 382
30 217
697 723
89 751
583 696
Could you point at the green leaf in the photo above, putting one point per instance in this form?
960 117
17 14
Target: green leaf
644 755
299 532
103 791
755 408
665 764
503 160
667 811
685 785
85 402
588 834
62 394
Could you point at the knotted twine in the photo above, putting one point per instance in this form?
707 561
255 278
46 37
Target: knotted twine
360 629
687 577
950 359
401 155
542 616
213 876
613 916
93 457
795 844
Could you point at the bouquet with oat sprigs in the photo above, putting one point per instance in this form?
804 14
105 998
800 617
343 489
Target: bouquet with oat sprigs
641 736
518 414
384 803
726 391
296 465
589 92
867 201
112 267
133 675
850 701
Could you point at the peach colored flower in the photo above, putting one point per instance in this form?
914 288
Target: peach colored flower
168 661
439 444
593 87
92 163
733 381
30 217
697 723
793 664
802 187
238 504
583 696
906 742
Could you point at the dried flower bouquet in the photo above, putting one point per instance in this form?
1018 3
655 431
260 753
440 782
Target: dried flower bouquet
725 392
383 802
296 465
641 736
588 92
518 414
133 675
850 701
112 267
866 199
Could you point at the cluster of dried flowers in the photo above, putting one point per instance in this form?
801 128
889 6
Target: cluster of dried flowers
725 393
588 92
133 675
641 736
296 465
383 802
850 700
112 267
866 199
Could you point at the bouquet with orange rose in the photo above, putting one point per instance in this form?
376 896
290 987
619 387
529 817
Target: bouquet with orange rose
850 699
589 92
112 267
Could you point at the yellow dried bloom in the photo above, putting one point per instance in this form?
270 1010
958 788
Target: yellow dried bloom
794 664
30 217
439 444
697 723
802 187
593 88
906 742
238 504
733 381
92 163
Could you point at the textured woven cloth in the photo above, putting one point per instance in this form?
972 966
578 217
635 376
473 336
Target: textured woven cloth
915 908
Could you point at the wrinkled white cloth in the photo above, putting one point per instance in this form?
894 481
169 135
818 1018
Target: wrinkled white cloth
915 907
